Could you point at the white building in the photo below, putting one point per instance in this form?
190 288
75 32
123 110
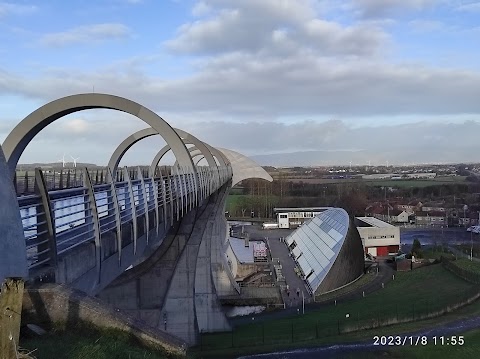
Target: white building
378 238
294 217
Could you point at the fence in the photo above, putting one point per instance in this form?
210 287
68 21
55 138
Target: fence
468 275
333 323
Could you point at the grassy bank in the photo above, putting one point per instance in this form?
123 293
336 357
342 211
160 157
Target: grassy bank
412 295
85 341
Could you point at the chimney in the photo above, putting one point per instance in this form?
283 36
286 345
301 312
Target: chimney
247 243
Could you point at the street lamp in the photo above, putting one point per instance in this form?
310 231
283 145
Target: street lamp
471 245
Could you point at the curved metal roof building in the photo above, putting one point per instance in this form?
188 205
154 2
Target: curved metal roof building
329 250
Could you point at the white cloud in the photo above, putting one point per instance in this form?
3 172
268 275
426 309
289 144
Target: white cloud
76 126
201 9
381 8
471 7
7 8
272 26
86 34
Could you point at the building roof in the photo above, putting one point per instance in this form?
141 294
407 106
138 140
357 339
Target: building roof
429 214
396 212
318 243
243 254
374 222
301 209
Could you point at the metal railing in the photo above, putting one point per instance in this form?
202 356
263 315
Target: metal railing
61 210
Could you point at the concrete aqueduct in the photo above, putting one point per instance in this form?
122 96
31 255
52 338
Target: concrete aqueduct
78 233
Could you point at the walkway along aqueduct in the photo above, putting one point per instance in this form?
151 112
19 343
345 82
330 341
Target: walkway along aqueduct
81 230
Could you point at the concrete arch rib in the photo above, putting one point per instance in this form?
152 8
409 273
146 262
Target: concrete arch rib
243 167
218 154
30 126
186 138
158 157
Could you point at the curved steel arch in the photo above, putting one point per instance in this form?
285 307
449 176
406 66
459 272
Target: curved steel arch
218 154
147 132
30 126
163 151
244 167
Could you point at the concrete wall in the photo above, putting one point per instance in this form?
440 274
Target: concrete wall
230 257
223 276
13 261
245 270
173 289
209 313
78 267
141 290
53 303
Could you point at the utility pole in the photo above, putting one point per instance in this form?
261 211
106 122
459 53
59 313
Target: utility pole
303 303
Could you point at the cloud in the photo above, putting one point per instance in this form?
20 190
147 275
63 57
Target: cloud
471 7
201 9
86 34
15 9
277 27
239 85
76 126
382 8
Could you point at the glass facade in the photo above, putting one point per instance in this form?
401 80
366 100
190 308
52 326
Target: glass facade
317 242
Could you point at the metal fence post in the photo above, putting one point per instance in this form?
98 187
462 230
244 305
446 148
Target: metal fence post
95 221
145 203
48 225
114 207
155 200
164 197
132 208
179 191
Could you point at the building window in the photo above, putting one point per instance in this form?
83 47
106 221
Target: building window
283 216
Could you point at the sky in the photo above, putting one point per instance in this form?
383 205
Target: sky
393 80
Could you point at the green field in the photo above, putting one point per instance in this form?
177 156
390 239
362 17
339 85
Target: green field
416 183
410 296
409 183
364 280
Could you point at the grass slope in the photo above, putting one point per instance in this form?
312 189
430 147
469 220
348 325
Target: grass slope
410 295
89 342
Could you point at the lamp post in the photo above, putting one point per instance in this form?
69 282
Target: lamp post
471 245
